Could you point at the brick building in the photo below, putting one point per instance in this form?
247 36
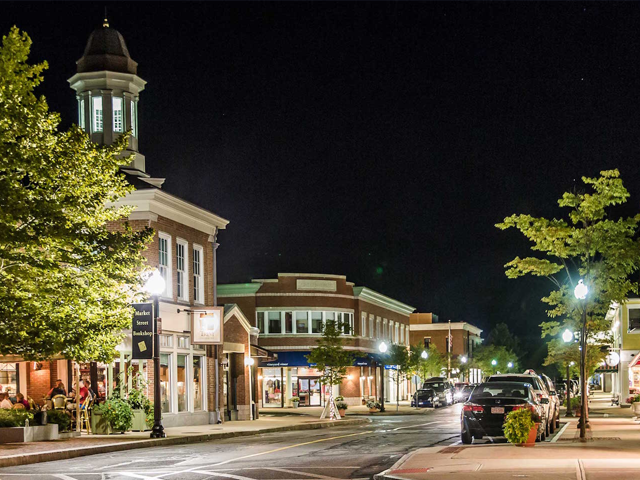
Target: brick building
456 338
289 313
184 251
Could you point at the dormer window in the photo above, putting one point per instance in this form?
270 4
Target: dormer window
117 114
96 114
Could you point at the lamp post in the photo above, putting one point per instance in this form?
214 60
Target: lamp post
569 413
249 363
580 293
509 366
493 364
155 285
382 348
463 361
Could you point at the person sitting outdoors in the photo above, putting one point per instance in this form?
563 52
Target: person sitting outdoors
85 391
20 399
57 390
5 402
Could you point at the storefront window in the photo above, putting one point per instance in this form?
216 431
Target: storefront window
302 322
272 387
181 384
8 378
165 384
316 322
197 382
275 325
288 322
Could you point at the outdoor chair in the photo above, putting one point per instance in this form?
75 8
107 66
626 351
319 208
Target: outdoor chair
59 402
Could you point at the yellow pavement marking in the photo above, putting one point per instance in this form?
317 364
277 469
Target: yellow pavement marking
286 448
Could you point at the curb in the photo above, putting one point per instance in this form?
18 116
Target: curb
384 475
17 460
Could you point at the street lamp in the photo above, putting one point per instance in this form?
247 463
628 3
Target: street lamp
580 293
510 365
494 362
463 359
249 363
424 355
382 348
567 336
155 285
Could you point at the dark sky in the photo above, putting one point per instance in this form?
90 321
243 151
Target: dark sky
382 141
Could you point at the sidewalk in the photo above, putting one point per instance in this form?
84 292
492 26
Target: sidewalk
612 450
12 454
405 408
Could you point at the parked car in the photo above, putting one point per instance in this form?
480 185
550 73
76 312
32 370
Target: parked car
443 388
485 411
463 394
554 403
425 397
457 391
539 390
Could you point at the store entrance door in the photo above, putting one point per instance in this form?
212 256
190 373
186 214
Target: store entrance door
309 392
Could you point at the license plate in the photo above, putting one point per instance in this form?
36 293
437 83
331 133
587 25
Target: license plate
497 410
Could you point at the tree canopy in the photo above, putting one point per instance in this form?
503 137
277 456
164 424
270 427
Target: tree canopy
588 245
484 355
329 356
66 281
432 366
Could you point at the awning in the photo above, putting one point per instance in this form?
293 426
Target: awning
299 359
635 361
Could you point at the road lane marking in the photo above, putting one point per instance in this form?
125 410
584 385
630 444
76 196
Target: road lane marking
137 475
413 426
227 475
580 473
62 476
559 434
198 469
312 475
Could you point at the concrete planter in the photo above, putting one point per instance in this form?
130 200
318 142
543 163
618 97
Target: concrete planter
139 423
37 433
100 426
635 406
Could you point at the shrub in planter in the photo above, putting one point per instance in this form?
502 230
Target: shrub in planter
342 407
15 418
373 405
117 413
339 398
295 401
518 425
141 407
61 418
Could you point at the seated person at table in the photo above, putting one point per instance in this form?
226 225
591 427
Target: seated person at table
20 399
5 402
57 390
85 391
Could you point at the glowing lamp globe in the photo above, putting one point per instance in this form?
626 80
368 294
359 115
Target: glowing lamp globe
581 290
510 365
155 284
567 336
612 359
249 361
463 360
494 362
424 354
382 347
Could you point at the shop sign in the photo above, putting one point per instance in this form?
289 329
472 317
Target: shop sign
206 326
390 367
142 331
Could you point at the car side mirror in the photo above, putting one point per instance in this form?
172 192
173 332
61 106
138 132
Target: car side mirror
544 401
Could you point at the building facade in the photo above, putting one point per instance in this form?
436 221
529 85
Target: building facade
194 379
455 339
289 313
623 379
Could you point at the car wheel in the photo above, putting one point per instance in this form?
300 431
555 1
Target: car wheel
465 437
552 426
558 421
546 429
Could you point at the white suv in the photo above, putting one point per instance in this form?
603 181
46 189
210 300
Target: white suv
540 392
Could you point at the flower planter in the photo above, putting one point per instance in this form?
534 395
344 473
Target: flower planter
139 423
531 439
342 412
635 407
295 404
99 426
37 433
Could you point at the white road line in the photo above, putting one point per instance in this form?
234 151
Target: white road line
227 475
136 475
312 475
414 426
580 473
559 434
62 476
120 464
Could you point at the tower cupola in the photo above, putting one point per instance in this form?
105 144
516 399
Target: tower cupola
107 88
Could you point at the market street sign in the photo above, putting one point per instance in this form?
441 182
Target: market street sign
142 331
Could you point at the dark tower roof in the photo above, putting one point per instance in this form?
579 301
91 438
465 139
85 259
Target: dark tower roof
106 50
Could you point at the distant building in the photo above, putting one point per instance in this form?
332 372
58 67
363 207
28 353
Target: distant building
427 330
290 312
623 379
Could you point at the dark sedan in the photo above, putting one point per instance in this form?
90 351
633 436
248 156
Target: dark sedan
425 398
485 411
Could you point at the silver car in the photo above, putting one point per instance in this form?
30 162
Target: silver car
554 403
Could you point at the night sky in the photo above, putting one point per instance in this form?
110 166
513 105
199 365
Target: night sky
382 141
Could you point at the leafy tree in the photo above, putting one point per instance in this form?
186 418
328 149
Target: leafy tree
66 281
501 336
484 355
399 357
590 246
330 357
562 354
431 366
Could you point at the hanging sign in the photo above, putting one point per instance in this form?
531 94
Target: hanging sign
206 326
142 331
612 359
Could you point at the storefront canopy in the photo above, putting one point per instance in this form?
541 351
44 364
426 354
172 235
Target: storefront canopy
299 359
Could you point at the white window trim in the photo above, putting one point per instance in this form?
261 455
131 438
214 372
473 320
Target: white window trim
392 339
168 292
372 326
185 276
363 325
631 307
201 276
113 113
94 122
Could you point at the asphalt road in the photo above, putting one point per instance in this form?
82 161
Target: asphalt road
356 452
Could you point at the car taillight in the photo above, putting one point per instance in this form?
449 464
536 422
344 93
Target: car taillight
472 408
